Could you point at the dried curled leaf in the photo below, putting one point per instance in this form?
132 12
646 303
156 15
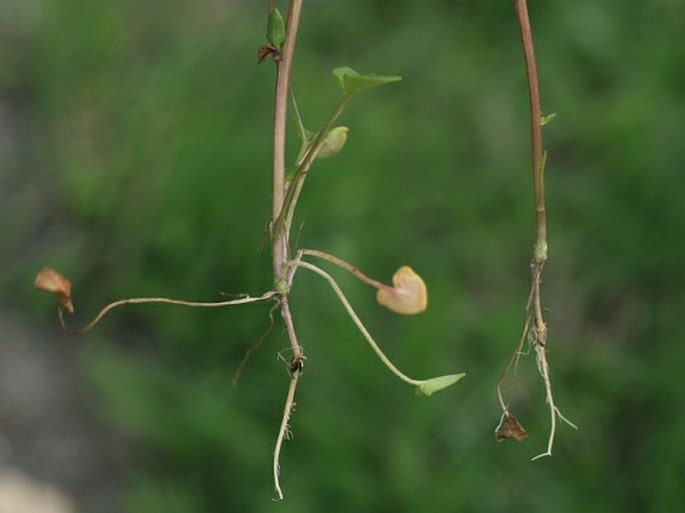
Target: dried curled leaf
408 296
51 281
511 428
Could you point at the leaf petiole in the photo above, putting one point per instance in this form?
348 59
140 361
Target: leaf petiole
423 387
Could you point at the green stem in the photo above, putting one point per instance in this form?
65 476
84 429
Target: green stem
284 221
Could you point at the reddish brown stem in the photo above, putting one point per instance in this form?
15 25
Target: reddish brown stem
535 128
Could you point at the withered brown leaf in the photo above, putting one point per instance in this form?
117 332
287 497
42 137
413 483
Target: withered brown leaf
511 428
51 281
267 51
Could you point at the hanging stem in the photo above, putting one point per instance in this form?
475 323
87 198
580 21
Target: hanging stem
284 432
279 231
537 333
521 9
512 366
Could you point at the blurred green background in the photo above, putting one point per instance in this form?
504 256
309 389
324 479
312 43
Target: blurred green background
138 164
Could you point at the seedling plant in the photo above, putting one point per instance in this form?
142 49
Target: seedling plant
406 296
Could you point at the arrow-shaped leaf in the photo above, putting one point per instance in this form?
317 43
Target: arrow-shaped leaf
430 386
351 82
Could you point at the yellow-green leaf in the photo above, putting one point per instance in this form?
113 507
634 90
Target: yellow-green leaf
408 296
351 82
430 386
333 143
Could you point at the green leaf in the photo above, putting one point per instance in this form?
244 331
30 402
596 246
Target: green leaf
290 173
333 143
546 119
351 82
275 29
430 386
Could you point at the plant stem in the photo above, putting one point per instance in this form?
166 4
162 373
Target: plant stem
280 250
537 334
512 366
348 267
289 326
139 300
536 129
279 232
293 191
360 326
283 432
